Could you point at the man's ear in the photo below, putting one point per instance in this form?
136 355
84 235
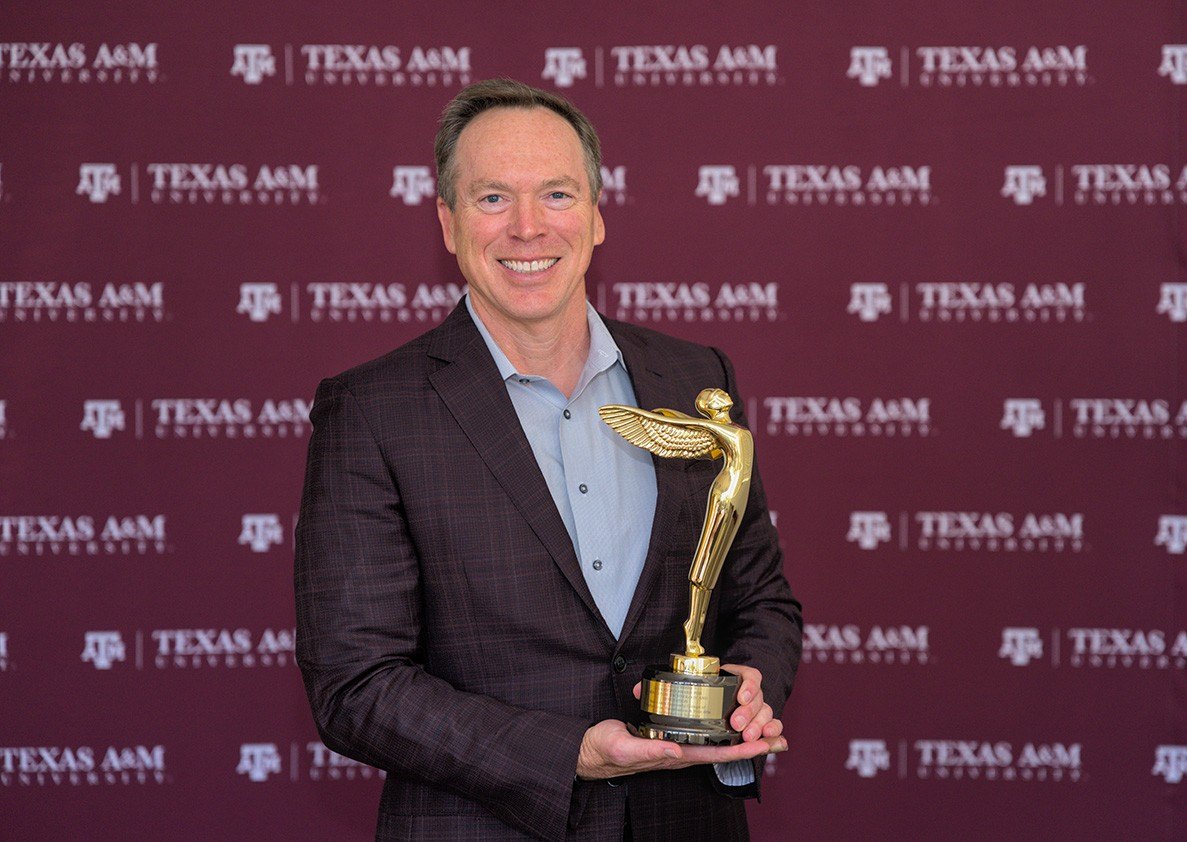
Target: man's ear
445 217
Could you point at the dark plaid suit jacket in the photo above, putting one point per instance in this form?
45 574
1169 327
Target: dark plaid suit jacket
445 631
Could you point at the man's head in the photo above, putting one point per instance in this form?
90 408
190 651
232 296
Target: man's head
507 93
517 203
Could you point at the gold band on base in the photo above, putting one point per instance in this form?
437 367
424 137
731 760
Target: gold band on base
686 701
687 708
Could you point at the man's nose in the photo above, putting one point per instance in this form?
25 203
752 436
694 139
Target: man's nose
527 220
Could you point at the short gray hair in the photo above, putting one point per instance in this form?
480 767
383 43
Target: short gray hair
507 93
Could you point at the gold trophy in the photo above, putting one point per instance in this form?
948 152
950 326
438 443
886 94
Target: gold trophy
691 702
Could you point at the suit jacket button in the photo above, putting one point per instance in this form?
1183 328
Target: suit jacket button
619 664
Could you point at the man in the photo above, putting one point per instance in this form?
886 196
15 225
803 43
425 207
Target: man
484 568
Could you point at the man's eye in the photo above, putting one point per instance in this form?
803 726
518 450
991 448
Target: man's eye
490 200
558 194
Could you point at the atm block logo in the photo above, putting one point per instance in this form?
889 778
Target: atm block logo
258 761
1021 645
261 532
868 757
267 761
1172 533
1171 763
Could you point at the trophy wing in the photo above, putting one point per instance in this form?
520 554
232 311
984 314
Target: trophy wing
674 435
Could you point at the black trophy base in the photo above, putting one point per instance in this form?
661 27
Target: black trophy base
689 709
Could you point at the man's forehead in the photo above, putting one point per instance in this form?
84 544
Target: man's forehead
518 131
503 141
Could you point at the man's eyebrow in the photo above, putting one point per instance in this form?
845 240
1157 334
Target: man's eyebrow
562 181
487 185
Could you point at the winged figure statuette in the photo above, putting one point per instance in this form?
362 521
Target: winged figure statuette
675 435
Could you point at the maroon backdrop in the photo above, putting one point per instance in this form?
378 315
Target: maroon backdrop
944 246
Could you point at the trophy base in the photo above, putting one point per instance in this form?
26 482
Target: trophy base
689 709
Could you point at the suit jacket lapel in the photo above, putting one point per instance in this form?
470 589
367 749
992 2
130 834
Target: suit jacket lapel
651 391
470 386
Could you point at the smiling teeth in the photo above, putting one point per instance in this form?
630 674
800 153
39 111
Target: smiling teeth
529 265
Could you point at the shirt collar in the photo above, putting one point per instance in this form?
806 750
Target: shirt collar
603 350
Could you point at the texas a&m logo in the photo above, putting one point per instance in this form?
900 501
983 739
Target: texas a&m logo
103 649
259 301
412 184
868 65
253 62
258 761
716 183
1020 645
102 417
869 301
1172 302
97 182
1174 63
261 532
868 757
1023 416
1172 533
1171 763
1024 183
868 529
563 65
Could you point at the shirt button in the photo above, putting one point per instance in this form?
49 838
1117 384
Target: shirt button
597 565
568 414
619 664
583 488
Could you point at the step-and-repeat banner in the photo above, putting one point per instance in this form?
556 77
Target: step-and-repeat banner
943 244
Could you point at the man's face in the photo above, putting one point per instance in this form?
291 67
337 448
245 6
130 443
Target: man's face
524 223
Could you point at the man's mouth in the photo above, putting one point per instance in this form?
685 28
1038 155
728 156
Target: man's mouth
530 266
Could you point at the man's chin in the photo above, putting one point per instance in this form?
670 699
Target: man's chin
535 307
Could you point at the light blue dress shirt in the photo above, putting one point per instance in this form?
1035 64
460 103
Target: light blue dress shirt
603 486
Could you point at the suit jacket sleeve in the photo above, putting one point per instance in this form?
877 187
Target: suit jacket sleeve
360 646
760 621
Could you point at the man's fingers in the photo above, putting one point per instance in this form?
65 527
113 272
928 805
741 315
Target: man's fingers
773 728
749 691
638 689
728 754
755 729
751 686
745 714
696 755
752 713
637 753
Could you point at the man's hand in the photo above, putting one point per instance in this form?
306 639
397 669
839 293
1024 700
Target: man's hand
754 717
609 750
